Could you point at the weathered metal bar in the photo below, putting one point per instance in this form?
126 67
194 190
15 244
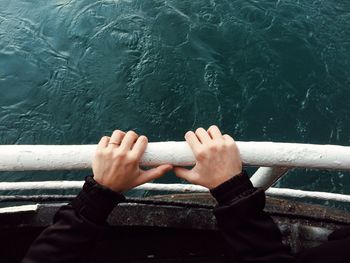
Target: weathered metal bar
286 192
19 209
63 185
266 176
41 185
268 154
181 188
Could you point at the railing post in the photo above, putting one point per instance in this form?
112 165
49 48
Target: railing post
266 176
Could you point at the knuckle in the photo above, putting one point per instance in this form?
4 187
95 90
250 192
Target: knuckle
120 155
143 138
229 144
107 154
99 153
213 127
132 158
132 133
213 147
118 132
226 145
189 133
200 129
228 137
201 155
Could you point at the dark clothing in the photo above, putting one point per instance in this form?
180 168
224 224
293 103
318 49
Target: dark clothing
75 227
251 234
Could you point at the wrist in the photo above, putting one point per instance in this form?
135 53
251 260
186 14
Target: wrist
233 188
222 179
111 185
95 201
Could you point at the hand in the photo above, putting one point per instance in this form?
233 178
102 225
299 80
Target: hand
116 162
217 158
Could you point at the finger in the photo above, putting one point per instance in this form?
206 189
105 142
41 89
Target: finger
228 138
231 141
203 136
128 141
193 141
153 173
103 142
214 132
140 146
116 138
183 173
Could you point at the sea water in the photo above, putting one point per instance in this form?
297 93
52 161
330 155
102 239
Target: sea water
264 70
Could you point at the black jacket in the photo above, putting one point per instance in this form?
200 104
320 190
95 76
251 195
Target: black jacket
251 234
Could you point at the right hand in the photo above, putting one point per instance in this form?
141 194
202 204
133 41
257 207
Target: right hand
217 158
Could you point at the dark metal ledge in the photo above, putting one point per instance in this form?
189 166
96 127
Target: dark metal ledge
170 218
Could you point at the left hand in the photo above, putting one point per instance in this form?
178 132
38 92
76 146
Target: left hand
116 162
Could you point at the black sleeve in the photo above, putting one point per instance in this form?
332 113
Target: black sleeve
75 227
251 234
336 250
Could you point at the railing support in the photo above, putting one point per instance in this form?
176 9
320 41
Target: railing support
181 188
266 176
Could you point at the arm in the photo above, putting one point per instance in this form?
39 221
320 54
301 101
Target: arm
335 250
249 231
78 225
251 234
75 226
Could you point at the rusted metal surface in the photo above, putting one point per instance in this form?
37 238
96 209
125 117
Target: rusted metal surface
163 216
318 213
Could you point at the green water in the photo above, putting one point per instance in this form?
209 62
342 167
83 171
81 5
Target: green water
72 71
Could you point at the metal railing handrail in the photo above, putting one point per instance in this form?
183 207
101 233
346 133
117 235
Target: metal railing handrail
180 188
268 154
274 159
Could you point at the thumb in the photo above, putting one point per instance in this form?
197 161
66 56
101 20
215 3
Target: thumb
183 173
154 173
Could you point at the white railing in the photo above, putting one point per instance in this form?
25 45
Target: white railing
180 188
274 159
269 154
